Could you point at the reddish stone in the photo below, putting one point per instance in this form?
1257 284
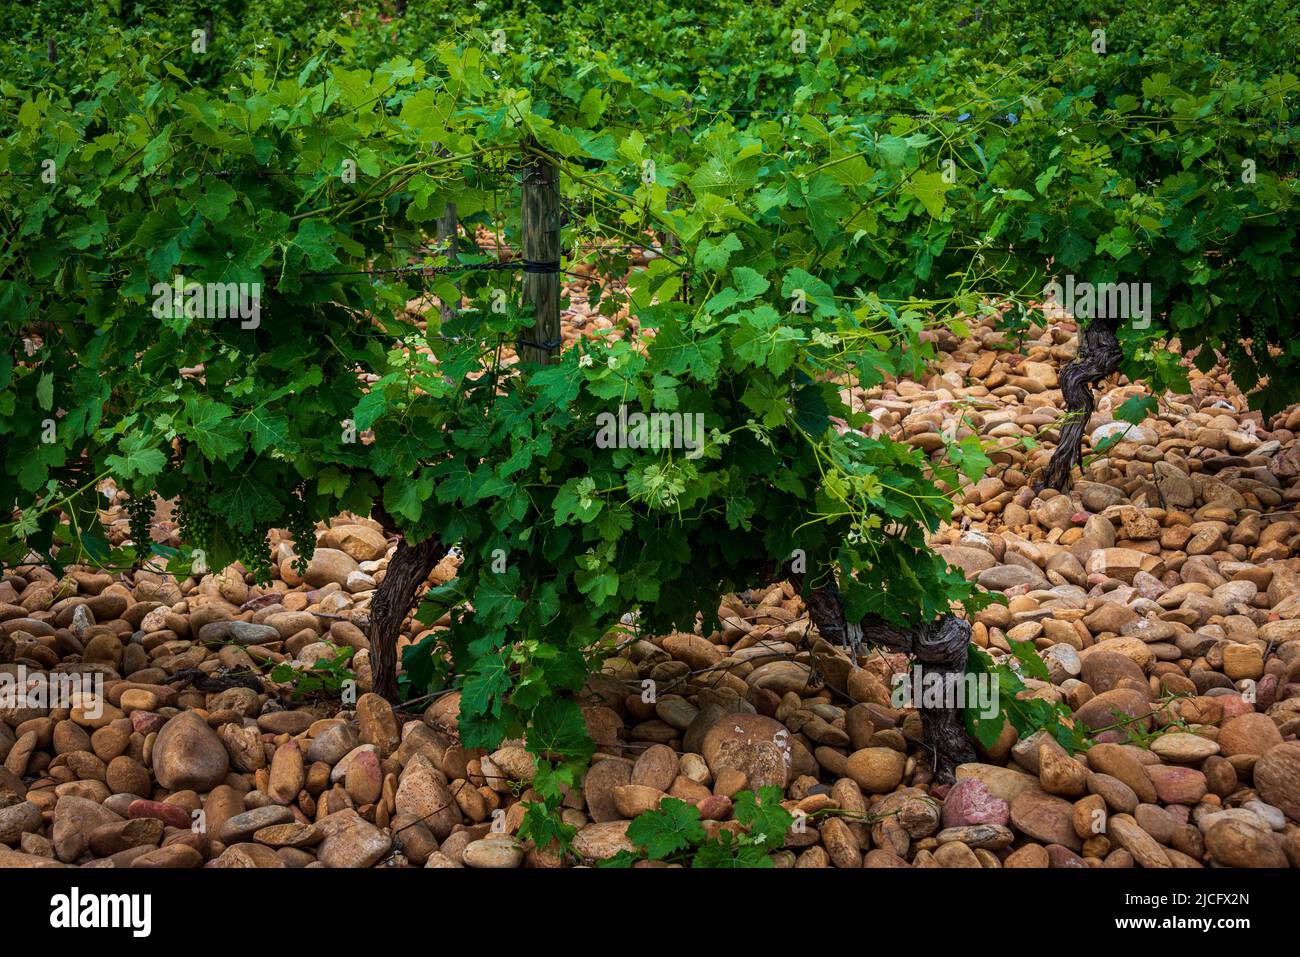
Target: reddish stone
715 807
172 814
1266 692
1062 856
1177 785
765 700
970 802
1234 705
146 722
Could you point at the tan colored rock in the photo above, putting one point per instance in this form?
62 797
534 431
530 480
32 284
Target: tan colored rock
756 745
841 844
1243 661
244 745
1089 816
877 770
632 800
1045 818
1144 848
351 841
288 773
1030 855
294 834
695 651
597 842
361 542
1233 843
656 767
1115 708
494 851
956 854
423 794
1119 762
1060 774
188 755
515 763
1248 734
377 724
363 781
330 565
598 787
1120 563
1277 776
1183 748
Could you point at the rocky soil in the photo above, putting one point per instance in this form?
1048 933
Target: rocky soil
1163 593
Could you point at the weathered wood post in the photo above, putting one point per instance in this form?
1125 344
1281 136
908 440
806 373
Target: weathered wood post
541 241
447 225
52 50
672 246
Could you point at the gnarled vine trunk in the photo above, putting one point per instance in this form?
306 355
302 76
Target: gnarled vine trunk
940 649
1099 355
407 571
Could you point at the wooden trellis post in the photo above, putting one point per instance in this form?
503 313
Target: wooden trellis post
447 238
541 242
672 246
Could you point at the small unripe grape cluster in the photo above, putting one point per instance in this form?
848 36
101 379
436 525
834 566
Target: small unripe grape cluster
195 517
303 531
140 509
252 550
1237 355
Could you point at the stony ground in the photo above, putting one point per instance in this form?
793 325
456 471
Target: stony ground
1163 593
